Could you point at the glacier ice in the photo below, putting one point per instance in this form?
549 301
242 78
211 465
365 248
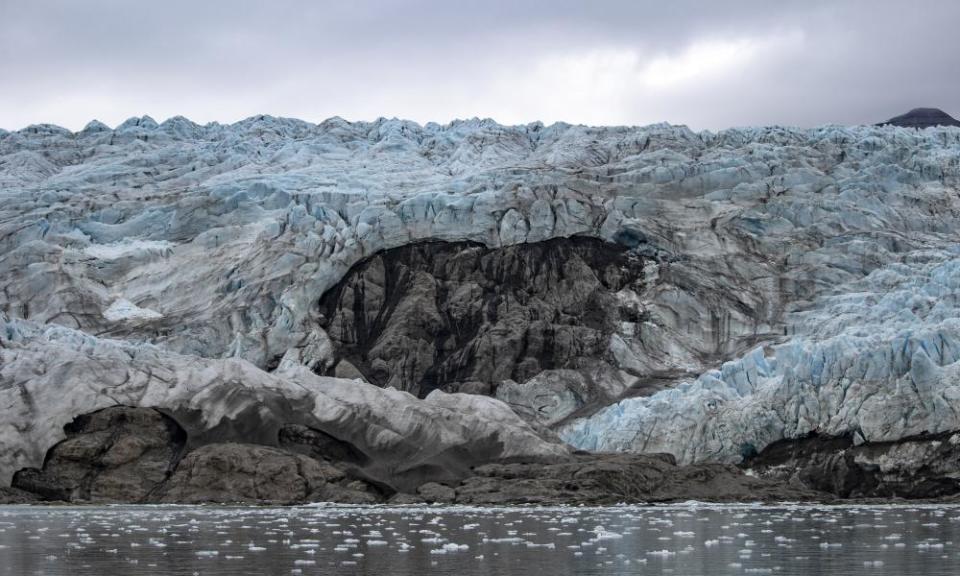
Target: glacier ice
123 309
797 280
877 358
51 374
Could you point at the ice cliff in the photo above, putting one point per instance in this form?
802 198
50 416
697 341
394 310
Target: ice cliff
762 284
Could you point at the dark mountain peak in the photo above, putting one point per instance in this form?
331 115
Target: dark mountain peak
923 118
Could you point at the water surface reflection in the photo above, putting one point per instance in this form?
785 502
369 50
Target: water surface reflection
687 540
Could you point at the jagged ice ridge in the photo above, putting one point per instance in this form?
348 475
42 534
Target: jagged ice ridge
795 281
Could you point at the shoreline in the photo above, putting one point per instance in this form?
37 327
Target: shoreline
136 455
457 508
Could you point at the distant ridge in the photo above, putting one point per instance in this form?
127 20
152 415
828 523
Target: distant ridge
923 118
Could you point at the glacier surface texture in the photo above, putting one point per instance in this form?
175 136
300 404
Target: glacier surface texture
709 293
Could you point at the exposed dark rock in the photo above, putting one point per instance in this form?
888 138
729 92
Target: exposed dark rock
123 454
923 467
402 498
923 118
118 454
355 492
257 474
557 329
142 455
433 492
435 315
126 454
613 478
17 496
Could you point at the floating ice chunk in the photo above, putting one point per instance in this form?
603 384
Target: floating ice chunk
602 533
662 553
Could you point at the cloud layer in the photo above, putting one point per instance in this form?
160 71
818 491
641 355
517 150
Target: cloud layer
705 64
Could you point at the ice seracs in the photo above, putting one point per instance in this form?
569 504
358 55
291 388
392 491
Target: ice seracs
790 280
876 358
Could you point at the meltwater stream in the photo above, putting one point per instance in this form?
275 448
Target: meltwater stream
684 540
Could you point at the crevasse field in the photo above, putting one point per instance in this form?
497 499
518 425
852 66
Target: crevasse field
792 280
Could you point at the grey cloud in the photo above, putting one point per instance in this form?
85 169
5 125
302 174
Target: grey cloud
67 62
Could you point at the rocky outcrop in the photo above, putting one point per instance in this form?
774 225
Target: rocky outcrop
923 118
123 454
433 316
542 326
138 455
923 467
261 475
10 495
615 478
113 455
435 493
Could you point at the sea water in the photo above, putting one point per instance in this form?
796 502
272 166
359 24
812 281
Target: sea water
684 540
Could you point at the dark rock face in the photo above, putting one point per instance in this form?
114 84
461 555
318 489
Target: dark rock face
403 499
923 118
257 474
613 478
451 315
117 454
914 468
432 492
17 496
123 454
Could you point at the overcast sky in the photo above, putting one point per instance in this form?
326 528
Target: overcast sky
708 64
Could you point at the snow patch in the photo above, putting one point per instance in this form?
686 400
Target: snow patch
128 248
123 309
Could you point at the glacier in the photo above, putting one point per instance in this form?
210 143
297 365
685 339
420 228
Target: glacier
789 281
878 360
